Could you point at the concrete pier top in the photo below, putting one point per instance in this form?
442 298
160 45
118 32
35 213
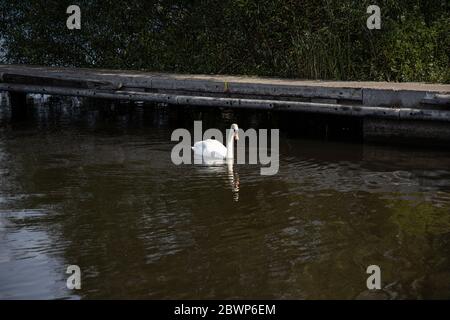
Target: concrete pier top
111 75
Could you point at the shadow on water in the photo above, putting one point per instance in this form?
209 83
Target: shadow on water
91 183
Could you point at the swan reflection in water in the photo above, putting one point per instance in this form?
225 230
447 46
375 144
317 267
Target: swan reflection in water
213 154
222 167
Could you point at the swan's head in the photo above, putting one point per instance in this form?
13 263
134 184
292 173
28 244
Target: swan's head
235 131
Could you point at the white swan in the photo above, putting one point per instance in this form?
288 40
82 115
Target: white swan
213 149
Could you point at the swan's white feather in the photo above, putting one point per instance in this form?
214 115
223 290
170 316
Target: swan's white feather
210 149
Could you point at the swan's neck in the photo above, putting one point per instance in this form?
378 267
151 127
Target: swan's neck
230 145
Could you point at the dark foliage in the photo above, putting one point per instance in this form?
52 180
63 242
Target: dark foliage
318 39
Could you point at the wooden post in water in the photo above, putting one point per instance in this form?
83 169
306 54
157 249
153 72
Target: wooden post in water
18 101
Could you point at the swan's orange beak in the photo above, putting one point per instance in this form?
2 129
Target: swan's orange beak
236 136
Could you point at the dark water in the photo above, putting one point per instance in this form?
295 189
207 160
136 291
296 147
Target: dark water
79 186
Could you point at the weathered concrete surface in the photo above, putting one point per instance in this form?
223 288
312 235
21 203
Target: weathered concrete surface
138 75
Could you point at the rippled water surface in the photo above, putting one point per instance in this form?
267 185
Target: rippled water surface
78 187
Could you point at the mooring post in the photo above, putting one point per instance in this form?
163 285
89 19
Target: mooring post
18 101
